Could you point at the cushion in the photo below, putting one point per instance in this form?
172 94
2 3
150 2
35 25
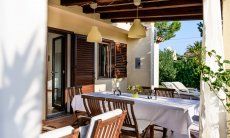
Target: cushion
169 85
180 86
57 133
103 117
83 131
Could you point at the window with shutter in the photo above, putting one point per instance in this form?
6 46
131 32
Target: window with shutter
106 59
83 64
112 59
120 69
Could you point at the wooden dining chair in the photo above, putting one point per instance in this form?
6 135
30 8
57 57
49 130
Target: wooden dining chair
130 125
64 132
164 92
106 125
94 105
110 128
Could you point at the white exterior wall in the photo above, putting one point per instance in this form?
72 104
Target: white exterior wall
22 67
139 48
226 32
226 28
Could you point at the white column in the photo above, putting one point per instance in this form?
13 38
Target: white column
22 66
154 59
212 116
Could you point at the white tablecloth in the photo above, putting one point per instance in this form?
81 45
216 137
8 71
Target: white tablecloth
172 113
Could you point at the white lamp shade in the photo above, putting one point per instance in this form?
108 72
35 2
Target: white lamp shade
94 35
137 30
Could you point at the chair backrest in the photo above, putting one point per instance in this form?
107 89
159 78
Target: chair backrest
93 105
70 92
146 90
107 125
180 86
125 105
165 92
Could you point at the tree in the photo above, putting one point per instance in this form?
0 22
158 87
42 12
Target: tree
166 68
200 28
194 50
188 66
166 30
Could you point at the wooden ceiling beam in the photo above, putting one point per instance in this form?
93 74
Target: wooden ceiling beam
155 12
158 19
99 2
74 2
145 6
162 16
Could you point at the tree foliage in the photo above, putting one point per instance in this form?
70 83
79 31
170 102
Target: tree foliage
167 30
218 80
167 72
185 69
200 28
188 66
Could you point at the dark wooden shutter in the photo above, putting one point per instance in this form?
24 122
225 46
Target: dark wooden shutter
83 64
120 60
113 59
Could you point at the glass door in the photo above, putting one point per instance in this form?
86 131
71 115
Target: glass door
58 72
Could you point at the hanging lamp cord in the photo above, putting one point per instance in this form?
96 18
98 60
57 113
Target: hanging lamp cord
94 17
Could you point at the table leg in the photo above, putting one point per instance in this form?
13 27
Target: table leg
151 129
165 132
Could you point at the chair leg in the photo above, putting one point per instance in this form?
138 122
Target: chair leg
151 129
165 132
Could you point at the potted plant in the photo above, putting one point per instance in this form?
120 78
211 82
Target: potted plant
135 90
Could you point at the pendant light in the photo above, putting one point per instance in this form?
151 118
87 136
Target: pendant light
94 35
137 30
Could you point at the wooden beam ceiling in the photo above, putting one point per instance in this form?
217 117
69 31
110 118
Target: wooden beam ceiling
150 10
156 19
146 13
144 6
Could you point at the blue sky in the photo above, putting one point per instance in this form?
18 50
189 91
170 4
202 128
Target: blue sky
187 35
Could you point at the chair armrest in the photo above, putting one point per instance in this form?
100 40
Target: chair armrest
85 118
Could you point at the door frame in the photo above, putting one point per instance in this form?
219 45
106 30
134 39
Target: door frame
63 69
62 32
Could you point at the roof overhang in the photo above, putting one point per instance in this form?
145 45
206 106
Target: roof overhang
149 11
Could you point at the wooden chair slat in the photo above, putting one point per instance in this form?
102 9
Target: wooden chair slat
164 92
94 105
130 119
102 129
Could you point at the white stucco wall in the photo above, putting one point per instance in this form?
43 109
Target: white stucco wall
226 32
139 48
22 67
226 28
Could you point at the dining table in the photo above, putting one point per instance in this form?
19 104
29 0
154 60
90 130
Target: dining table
172 113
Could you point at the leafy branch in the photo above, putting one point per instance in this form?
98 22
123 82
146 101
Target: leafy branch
218 80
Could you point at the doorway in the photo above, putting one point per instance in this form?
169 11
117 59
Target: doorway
56 73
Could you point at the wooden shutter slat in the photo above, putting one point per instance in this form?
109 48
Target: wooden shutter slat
83 64
120 60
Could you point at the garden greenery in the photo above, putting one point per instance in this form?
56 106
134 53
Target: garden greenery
218 80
